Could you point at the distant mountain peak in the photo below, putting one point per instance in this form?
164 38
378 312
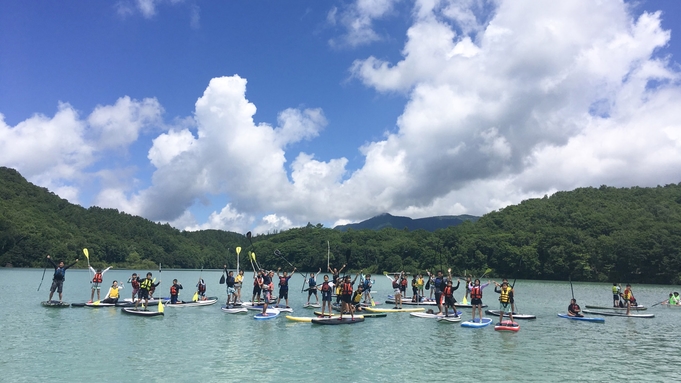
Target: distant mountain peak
386 220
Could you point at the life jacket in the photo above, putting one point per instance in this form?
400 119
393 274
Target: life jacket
346 288
404 283
59 273
357 297
628 295
173 290
476 292
202 287
366 284
135 284
614 289
326 287
448 291
114 293
574 308
438 283
419 282
505 296
256 281
396 284
283 281
146 284
312 282
97 278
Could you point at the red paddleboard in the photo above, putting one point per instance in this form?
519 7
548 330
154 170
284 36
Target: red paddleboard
507 325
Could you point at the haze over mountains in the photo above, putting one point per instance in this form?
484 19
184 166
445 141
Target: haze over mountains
429 223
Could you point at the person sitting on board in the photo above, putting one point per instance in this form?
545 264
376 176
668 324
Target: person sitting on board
58 278
146 285
366 287
312 286
629 298
257 282
134 282
238 282
676 299
574 310
97 281
175 292
505 295
230 282
112 294
326 288
448 294
357 298
476 296
615 295
283 286
201 289
346 296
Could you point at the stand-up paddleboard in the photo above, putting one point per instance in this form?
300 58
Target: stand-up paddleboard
55 304
410 303
207 302
337 321
309 319
515 315
449 319
154 300
619 314
312 305
403 310
78 304
283 308
125 304
670 306
269 314
326 314
100 304
583 319
478 322
507 325
144 313
234 310
371 315
435 316
639 307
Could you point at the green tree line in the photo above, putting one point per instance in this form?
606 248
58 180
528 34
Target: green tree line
589 234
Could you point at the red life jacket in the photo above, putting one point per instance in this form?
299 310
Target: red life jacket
97 278
326 287
135 284
396 284
347 288
283 281
476 292
173 290
404 282
448 291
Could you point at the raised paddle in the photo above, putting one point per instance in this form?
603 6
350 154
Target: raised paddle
238 251
41 279
571 289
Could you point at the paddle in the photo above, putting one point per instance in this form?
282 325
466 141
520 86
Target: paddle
238 251
328 254
160 301
666 300
41 279
571 289
87 256
485 273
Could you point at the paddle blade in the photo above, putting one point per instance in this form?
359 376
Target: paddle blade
253 256
222 279
373 304
195 297
96 303
160 306
464 301
87 254
238 250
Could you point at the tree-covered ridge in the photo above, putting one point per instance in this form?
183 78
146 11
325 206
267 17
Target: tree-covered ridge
590 234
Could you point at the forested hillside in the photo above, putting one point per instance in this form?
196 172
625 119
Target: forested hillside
590 234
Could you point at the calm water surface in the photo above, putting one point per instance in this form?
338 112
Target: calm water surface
204 344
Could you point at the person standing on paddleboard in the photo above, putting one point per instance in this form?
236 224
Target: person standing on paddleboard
616 290
230 282
346 296
629 298
97 281
336 281
312 287
397 289
448 294
366 287
326 288
58 278
238 282
438 284
574 310
414 289
135 283
112 294
505 296
476 296
283 286
419 286
266 287
146 285
175 292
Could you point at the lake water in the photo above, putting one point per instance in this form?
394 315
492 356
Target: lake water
204 344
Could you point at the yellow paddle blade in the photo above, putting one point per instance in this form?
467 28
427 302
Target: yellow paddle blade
373 304
96 303
87 254
465 302
238 250
160 306
253 255
196 297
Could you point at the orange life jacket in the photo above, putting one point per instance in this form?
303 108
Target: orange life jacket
347 288
173 290
448 291
476 292
97 278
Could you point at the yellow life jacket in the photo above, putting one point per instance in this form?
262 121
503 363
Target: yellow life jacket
505 295
146 284
114 293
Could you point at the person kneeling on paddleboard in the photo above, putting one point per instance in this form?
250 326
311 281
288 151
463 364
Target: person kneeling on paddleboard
574 310
357 298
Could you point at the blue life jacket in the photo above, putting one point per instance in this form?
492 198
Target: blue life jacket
59 274
312 282
367 284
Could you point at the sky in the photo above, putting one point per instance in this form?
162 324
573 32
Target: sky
266 115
